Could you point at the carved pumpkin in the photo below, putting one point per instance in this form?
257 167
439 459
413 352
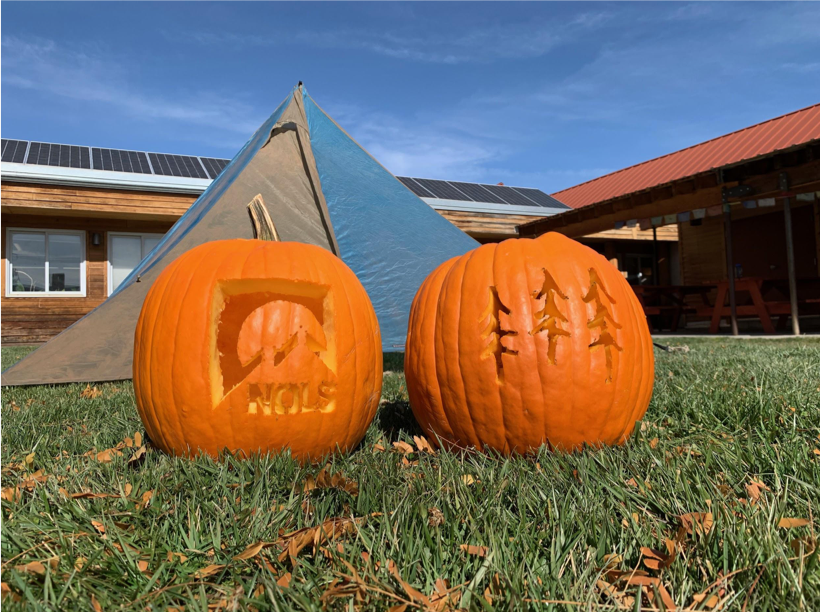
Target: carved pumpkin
256 346
528 342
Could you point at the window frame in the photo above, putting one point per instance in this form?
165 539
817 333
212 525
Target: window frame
10 293
109 253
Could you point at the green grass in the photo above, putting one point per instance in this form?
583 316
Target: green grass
722 414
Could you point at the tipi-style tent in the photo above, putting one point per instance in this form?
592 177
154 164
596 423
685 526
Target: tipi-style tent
320 187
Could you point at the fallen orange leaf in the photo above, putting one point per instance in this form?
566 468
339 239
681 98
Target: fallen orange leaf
788 523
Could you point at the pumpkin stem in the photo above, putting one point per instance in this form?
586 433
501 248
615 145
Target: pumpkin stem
263 227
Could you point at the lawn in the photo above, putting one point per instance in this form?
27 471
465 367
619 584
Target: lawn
713 504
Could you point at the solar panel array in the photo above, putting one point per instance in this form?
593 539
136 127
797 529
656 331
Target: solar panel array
116 160
479 192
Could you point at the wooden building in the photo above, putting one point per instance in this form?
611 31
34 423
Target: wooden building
76 220
746 207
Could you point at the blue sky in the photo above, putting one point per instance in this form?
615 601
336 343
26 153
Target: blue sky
540 95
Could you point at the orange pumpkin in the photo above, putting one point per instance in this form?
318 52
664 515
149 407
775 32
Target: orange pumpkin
255 346
528 342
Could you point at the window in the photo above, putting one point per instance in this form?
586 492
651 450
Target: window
45 263
125 251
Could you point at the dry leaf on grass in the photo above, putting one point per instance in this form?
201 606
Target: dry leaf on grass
403 447
171 556
611 561
127 489
467 479
470 549
324 480
138 457
296 541
789 523
37 567
95 604
710 601
284 581
435 517
208 570
7 592
143 566
423 445
654 587
657 560
632 483
145 500
107 456
87 495
444 598
803 546
697 522
412 593
754 488
250 552
99 527
89 393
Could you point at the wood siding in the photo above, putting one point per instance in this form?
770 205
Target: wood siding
19 198
485 226
702 254
28 320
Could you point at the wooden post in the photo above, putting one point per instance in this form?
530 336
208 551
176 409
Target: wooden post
730 268
817 232
787 214
655 279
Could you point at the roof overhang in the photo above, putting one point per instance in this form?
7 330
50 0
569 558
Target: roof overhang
488 208
55 175
81 177
801 163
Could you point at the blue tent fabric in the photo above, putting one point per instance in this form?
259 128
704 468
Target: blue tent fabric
387 235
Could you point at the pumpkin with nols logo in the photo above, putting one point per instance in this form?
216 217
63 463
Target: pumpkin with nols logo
254 346
528 342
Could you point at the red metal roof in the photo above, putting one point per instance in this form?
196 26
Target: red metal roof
776 134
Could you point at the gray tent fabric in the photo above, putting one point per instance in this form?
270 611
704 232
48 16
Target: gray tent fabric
279 164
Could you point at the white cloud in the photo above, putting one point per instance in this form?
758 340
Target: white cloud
523 40
89 75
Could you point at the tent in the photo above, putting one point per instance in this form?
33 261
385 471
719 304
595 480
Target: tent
320 187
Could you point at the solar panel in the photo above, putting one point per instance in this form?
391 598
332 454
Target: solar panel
442 189
116 160
14 150
478 193
52 154
214 166
177 165
509 195
413 186
540 198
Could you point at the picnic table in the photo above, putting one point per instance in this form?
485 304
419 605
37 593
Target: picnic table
763 298
671 300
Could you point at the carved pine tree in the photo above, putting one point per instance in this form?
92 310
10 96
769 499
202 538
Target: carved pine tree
493 333
549 319
603 321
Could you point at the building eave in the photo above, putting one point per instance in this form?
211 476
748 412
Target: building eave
56 175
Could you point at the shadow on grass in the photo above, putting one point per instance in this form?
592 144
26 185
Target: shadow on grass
395 418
